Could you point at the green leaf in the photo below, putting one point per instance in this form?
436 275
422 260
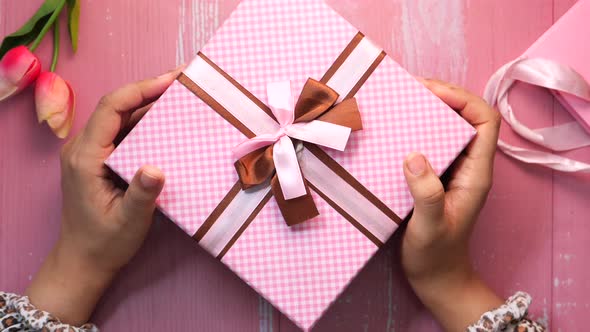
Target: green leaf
74 22
31 29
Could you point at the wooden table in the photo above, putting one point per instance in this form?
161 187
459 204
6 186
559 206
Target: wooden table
531 236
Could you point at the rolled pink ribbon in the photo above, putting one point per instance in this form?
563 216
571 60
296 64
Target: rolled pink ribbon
553 76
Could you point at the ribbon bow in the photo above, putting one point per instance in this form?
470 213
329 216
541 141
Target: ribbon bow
316 118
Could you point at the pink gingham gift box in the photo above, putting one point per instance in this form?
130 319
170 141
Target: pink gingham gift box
190 136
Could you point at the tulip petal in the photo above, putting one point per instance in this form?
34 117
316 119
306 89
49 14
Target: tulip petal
64 130
6 89
18 69
51 96
55 99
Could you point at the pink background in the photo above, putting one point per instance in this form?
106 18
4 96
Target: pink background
532 234
559 44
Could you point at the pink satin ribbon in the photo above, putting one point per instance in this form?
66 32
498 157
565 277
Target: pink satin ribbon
555 77
280 100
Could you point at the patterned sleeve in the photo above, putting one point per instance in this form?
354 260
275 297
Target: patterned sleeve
18 314
511 316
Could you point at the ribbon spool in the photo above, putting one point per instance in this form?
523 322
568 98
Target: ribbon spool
557 78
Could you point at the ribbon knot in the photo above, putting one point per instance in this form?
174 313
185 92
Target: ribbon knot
316 118
282 131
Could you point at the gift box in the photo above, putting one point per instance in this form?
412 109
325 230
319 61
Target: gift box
283 145
564 43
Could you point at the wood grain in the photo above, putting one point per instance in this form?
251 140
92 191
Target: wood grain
513 239
531 236
571 213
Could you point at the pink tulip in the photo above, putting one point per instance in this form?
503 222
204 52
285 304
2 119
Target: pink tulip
54 100
18 69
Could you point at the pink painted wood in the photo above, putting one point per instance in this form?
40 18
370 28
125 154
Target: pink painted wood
531 236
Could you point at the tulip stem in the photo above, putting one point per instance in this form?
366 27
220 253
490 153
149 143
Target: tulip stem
47 25
55 46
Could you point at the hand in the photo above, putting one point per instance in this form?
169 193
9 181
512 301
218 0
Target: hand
102 226
435 245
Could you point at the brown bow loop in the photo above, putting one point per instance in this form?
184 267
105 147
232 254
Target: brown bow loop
255 168
346 114
317 101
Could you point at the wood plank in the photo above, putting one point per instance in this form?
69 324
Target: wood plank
570 233
512 242
29 194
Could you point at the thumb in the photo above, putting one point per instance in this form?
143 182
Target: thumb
425 187
140 199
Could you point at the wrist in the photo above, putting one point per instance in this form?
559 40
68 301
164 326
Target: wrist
456 298
68 286
436 269
80 266
442 279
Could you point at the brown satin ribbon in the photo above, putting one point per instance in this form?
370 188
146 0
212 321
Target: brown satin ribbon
341 115
317 101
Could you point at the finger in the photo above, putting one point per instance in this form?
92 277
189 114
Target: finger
471 107
425 187
137 115
129 121
139 201
475 111
107 120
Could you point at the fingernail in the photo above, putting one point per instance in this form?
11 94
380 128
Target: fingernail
166 76
416 164
148 179
171 72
